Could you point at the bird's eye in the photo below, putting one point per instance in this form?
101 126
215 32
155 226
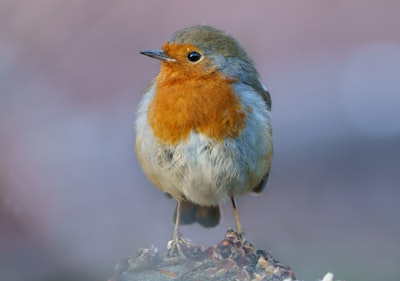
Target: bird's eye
193 56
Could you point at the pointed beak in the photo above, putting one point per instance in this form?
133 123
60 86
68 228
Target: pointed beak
157 54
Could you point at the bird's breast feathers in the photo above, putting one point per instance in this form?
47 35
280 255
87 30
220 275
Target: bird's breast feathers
226 153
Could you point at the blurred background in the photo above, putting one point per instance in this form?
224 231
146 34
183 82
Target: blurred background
73 200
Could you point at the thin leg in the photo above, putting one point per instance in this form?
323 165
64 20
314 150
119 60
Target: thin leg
235 212
175 247
177 220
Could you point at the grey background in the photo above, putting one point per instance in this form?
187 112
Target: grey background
73 199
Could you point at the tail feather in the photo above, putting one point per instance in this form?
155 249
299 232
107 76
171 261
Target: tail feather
206 216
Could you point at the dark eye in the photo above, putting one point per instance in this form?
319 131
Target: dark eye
194 56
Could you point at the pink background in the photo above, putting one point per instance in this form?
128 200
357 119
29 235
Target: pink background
73 199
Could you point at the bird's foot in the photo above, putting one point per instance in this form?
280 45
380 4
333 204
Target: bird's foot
175 248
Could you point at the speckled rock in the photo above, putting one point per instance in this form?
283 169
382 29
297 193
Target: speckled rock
234 258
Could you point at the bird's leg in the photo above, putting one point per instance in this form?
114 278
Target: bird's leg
174 248
235 212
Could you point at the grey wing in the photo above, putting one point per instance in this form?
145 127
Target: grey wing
264 182
267 97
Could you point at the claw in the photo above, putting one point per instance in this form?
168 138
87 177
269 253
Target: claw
174 248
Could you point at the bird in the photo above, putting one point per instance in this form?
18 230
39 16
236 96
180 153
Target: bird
203 126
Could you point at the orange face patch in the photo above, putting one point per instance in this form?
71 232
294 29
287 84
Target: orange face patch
189 99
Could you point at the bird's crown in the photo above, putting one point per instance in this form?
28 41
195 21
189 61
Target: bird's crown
210 49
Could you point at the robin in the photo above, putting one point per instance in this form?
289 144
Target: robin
203 128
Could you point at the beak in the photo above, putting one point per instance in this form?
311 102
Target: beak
157 54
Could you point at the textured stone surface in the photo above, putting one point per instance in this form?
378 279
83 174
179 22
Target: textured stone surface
234 258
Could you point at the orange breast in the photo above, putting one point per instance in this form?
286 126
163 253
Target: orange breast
191 101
